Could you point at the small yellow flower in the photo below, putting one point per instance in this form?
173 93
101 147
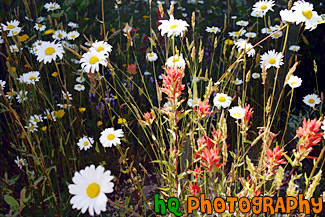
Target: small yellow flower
121 120
86 18
54 74
229 42
276 19
14 69
49 32
82 109
23 38
60 113
44 128
137 34
99 123
112 30
145 17
124 65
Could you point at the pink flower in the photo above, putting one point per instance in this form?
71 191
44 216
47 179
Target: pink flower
274 157
211 159
194 188
203 108
172 82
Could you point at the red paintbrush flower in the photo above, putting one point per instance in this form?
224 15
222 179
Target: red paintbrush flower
172 82
211 159
274 157
197 171
194 188
203 108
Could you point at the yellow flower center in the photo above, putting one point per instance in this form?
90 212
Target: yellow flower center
237 114
272 60
11 93
52 7
294 49
213 29
236 82
194 103
20 162
93 60
311 101
257 15
93 190
31 127
73 36
35 120
151 55
308 14
60 35
79 86
49 51
86 143
222 99
269 30
32 78
263 7
49 116
236 33
293 83
276 35
10 26
39 25
175 60
110 136
15 32
173 26
242 23
100 48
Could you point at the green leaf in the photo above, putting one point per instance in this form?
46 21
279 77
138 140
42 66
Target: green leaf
288 159
11 202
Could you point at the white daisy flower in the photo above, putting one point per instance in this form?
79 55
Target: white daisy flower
172 27
304 13
242 23
1 40
20 162
66 95
21 96
40 19
85 143
29 77
294 48
233 17
10 94
31 127
213 29
242 44
152 56
73 35
237 112
311 100
294 81
13 48
277 35
111 137
101 47
272 58
237 81
39 27
49 115
49 51
287 16
59 35
91 60
222 100
263 6
81 79
257 14
73 25
176 60
34 119
193 102
37 43
79 87
89 188
129 29
52 6
256 75
2 84
14 31
10 25
64 105
250 34
147 73
268 30
236 34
